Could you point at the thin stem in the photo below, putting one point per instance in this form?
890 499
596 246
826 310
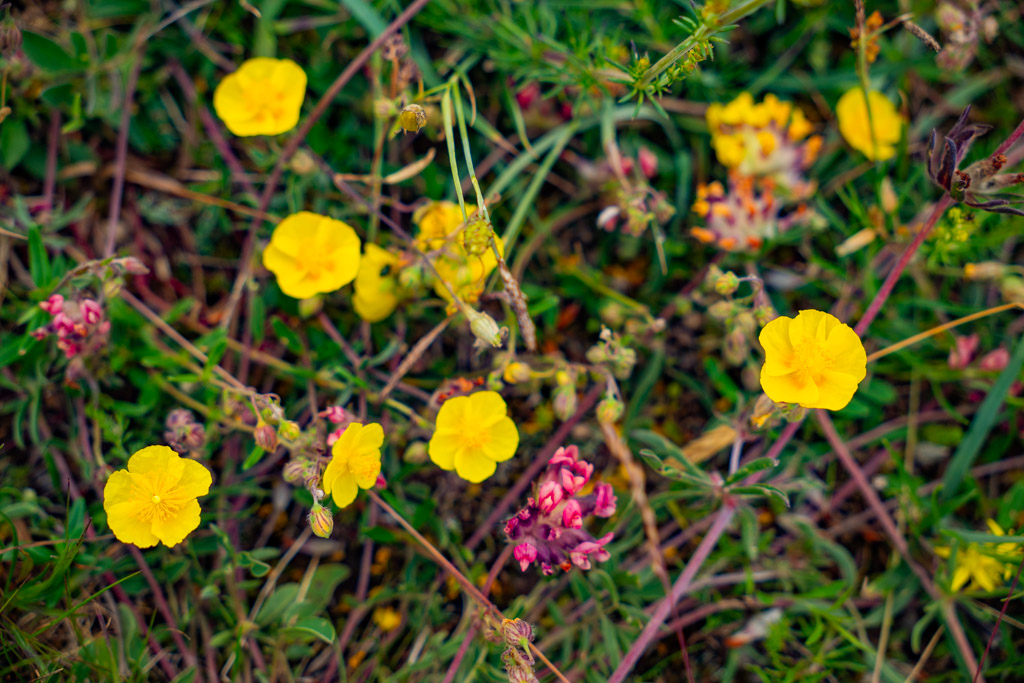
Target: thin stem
942 328
161 604
121 154
680 588
1002 613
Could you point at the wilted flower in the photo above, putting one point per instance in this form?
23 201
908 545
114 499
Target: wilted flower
768 140
154 500
412 118
980 178
263 97
472 435
813 360
550 528
874 135
312 254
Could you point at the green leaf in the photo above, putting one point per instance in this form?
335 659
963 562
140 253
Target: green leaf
254 457
47 54
287 336
679 460
758 465
366 15
317 627
14 142
38 262
656 464
968 450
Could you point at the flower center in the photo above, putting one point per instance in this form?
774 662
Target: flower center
475 438
156 499
811 359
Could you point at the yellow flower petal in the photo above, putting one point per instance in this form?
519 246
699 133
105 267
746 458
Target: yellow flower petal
875 139
474 467
343 489
960 577
173 530
195 480
790 389
157 460
841 388
504 440
126 526
262 97
442 449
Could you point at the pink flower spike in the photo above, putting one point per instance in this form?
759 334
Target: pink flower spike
63 324
605 504
580 555
525 554
564 456
91 311
572 515
648 162
550 495
53 305
995 360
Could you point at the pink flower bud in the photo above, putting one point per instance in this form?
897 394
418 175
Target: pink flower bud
63 324
265 436
91 311
41 333
133 265
648 162
551 494
334 436
608 218
525 554
381 482
995 360
53 305
528 95
572 515
605 505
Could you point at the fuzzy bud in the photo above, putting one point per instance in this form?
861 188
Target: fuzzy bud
516 373
564 401
720 310
294 471
986 270
195 436
412 118
289 431
132 265
726 283
764 411
516 633
311 306
321 521
648 162
415 453
10 37
265 436
302 162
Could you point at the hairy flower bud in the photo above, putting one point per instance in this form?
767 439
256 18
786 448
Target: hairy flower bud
415 453
294 471
564 401
516 633
484 328
609 410
412 118
195 437
10 37
726 283
289 430
265 436
516 373
321 521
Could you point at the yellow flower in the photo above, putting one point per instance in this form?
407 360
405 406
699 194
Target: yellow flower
375 297
886 123
263 97
154 500
813 360
387 618
312 254
437 221
439 232
981 569
356 462
473 434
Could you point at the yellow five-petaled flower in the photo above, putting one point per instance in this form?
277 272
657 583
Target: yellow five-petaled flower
263 97
312 254
974 562
473 434
154 500
355 463
813 360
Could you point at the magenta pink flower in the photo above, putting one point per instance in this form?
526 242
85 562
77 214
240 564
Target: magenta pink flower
334 414
53 305
961 355
91 312
550 495
995 360
648 162
572 515
549 530
604 503
524 554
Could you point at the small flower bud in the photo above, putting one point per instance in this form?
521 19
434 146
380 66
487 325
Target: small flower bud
597 354
195 437
302 162
289 431
763 412
91 311
132 265
476 238
294 471
564 401
890 202
412 118
484 328
311 306
609 410
321 521
516 373
856 242
10 37
112 287
720 310
516 633
608 218
53 305
648 162
726 283
334 414
415 453
265 436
